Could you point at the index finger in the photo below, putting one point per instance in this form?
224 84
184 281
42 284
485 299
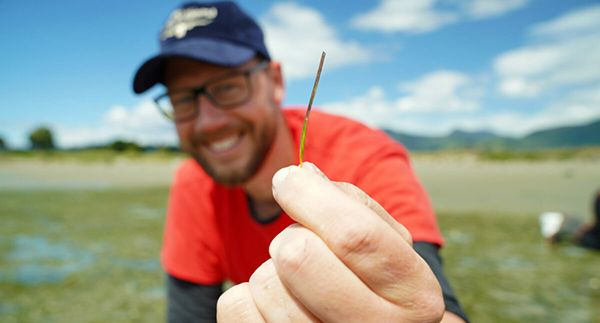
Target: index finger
368 246
362 197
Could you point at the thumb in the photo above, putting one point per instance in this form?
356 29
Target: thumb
312 167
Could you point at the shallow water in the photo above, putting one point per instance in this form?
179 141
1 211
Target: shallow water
141 211
138 264
35 260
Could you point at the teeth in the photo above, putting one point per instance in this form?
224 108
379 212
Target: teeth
224 144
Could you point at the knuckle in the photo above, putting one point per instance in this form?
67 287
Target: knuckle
354 192
353 240
292 254
236 296
433 312
428 306
263 277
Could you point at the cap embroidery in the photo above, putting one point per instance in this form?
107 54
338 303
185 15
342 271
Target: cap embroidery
183 20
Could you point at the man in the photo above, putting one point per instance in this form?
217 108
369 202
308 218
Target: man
300 247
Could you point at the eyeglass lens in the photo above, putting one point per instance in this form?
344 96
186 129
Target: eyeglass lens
223 93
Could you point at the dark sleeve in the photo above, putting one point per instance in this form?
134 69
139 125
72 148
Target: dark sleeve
190 302
597 209
429 252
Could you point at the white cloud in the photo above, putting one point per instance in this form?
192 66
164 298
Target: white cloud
422 16
479 9
580 21
409 16
443 91
297 35
143 124
455 89
437 91
519 87
579 107
530 61
376 109
569 54
370 108
144 118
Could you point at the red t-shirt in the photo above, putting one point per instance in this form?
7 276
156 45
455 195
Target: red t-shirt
210 235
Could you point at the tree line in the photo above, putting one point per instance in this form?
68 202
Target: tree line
41 139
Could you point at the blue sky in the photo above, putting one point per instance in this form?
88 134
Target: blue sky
424 67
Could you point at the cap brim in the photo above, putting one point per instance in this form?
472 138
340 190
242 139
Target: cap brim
214 51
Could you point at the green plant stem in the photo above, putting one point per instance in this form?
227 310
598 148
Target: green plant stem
312 96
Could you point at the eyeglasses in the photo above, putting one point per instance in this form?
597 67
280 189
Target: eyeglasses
226 91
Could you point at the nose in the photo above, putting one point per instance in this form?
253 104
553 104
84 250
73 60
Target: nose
210 117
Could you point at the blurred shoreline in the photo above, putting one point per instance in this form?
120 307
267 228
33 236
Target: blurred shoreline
55 174
457 181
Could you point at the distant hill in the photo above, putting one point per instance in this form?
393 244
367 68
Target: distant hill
572 136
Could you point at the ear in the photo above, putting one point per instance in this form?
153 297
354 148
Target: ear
276 77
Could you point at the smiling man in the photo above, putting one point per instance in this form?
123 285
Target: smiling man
299 246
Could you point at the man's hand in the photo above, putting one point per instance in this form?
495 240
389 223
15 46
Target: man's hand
347 260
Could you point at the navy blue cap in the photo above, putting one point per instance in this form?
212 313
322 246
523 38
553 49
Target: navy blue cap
214 32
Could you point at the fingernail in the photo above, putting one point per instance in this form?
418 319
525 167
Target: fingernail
280 176
315 169
309 165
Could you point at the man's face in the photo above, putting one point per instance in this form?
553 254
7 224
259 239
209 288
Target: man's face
230 144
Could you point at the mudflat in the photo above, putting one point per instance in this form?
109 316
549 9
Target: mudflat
53 175
80 235
455 184
513 187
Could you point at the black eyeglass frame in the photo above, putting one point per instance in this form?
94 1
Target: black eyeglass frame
202 90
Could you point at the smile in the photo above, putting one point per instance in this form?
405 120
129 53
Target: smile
225 144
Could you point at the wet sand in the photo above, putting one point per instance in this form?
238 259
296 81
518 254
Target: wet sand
458 185
55 175
511 187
